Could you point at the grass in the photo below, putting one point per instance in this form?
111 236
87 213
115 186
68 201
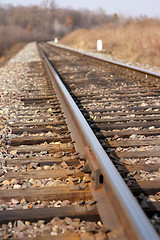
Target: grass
134 40
9 53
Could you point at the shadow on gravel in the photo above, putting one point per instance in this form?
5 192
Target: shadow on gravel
139 192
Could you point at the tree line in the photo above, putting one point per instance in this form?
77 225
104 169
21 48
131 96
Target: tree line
45 22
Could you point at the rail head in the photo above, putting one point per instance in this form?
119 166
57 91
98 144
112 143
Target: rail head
140 228
137 70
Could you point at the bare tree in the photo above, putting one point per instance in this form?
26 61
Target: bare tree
48 4
45 22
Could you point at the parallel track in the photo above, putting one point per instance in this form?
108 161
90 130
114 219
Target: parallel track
122 107
60 163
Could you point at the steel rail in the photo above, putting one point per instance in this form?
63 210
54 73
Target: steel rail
136 220
114 63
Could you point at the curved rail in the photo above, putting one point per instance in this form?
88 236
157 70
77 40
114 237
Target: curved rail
138 224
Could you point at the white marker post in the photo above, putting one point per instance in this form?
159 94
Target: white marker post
99 45
56 40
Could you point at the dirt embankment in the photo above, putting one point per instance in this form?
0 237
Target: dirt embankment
136 41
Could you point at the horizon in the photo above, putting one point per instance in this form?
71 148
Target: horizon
126 8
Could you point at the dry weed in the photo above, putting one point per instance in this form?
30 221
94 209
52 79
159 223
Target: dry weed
136 40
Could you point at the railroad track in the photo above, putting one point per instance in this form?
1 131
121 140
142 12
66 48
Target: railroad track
55 182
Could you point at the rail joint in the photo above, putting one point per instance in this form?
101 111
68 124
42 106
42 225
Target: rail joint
96 175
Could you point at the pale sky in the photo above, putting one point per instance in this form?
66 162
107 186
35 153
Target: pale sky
150 8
